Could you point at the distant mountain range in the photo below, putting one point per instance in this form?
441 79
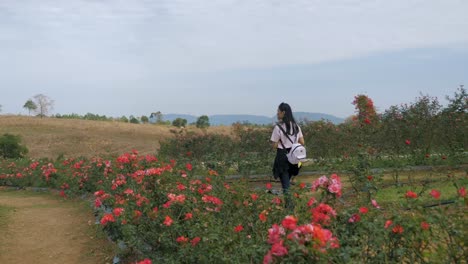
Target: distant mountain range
227 120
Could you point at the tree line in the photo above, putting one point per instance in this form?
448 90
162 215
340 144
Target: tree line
202 121
42 105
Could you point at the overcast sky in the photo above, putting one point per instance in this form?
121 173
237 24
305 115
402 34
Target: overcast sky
123 57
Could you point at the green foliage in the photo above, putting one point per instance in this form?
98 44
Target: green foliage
134 120
144 119
454 124
158 116
203 122
327 140
179 122
87 116
69 116
30 105
208 148
247 151
419 132
11 148
123 119
91 116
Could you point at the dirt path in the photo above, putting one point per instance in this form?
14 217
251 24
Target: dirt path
41 228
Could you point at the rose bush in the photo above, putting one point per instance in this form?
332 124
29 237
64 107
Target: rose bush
160 211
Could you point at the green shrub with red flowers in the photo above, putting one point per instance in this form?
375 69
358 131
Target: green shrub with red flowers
166 214
247 151
162 212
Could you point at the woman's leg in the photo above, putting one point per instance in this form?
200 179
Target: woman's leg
285 183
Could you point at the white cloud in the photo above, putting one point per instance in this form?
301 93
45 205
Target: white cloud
193 35
261 34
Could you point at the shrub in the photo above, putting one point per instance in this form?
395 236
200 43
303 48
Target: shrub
10 147
203 122
179 122
162 211
134 120
247 151
144 119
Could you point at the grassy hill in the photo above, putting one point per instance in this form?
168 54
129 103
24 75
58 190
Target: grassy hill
51 137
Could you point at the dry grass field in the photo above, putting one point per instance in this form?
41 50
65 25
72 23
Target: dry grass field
51 137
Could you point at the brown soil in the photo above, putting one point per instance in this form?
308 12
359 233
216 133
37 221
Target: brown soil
41 228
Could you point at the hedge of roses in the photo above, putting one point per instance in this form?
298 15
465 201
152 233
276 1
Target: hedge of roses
162 212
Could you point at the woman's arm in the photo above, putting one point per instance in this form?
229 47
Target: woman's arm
274 145
275 137
301 141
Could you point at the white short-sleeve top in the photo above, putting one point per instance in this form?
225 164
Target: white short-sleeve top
277 134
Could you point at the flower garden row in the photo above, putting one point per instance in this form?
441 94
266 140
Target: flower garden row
160 211
422 133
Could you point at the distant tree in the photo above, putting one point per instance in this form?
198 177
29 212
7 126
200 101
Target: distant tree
30 105
144 119
134 120
179 122
69 116
91 116
0 108
44 104
203 122
123 119
158 116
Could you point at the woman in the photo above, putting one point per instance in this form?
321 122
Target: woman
282 168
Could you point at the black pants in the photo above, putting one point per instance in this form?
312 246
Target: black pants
282 170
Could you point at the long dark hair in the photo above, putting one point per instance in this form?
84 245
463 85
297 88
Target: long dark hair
288 119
